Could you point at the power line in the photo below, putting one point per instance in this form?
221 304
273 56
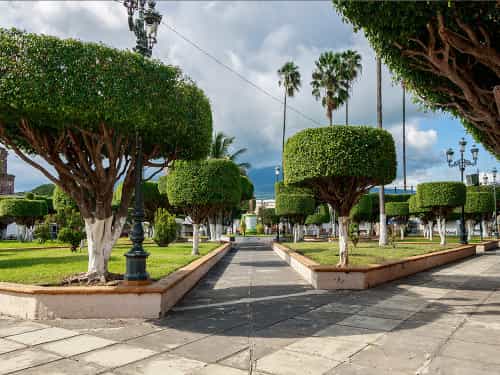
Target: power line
236 73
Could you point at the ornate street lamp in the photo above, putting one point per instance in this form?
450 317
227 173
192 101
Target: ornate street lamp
462 163
143 22
277 174
494 175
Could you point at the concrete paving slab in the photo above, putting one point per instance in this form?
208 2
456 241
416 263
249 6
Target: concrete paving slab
166 340
385 312
7 346
43 335
116 356
77 345
63 367
331 347
23 359
284 362
162 365
124 332
353 369
483 353
452 366
215 369
350 333
12 327
370 322
212 349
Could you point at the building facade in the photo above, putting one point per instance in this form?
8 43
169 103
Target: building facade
6 180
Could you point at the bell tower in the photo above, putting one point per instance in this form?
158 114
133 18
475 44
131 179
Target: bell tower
6 180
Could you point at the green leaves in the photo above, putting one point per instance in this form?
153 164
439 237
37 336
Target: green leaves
23 208
397 209
441 196
479 203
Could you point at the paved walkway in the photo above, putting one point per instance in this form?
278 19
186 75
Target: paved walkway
253 314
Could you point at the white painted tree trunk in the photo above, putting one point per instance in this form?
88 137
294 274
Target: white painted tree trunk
431 228
485 228
425 230
101 237
318 230
441 221
295 233
402 231
219 226
21 232
343 238
196 239
211 224
470 229
382 236
332 219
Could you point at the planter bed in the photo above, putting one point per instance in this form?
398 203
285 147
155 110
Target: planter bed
487 245
150 301
364 277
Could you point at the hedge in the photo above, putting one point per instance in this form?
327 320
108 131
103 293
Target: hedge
415 208
295 205
479 203
281 188
487 189
441 194
23 208
339 151
397 209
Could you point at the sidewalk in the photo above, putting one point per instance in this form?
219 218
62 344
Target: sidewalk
253 314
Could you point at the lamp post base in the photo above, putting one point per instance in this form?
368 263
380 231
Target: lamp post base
136 269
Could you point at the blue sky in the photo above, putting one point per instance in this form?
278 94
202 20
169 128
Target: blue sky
255 39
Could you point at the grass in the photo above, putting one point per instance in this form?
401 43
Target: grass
12 244
49 266
435 239
365 254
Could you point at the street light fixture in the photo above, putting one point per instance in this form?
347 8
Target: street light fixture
494 175
462 163
143 22
277 173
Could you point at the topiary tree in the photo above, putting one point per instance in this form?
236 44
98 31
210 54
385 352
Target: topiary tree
79 105
340 163
399 212
25 213
363 210
441 198
425 216
165 227
201 188
319 217
478 205
295 203
445 52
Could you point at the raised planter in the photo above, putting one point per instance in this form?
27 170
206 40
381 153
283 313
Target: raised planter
487 245
332 277
150 301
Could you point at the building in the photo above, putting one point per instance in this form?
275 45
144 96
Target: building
6 180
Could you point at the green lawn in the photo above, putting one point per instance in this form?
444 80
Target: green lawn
12 244
366 253
50 266
435 238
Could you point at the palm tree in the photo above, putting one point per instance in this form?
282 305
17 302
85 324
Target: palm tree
220 149
328 82
382 238
289 78
352 65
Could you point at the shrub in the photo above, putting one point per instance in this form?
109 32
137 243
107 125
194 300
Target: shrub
71 236
42 232
259 228
165 229
354 233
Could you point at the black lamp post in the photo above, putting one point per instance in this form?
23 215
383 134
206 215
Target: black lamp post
494 175
277 175
144 24
462 163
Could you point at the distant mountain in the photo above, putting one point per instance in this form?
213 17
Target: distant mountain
263 180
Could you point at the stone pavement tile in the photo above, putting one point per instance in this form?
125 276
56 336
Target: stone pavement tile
9 346
439 318
124 332
327 347
284 362
164 364
352 369
402 302
166 340
303 325
43 335
77 345
483 353
239 360
355 334
22 359
212 348
479 331
116 356
337 307
215 369
63 367
452 366
385 312
403 339
84 325
370 322
431 329
10 328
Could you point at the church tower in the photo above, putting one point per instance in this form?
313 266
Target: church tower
6 180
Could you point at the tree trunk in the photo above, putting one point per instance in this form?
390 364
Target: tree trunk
343 255
219 225
347 111
101 237
485 228
441 221
470 229
431 228
211 225
196 239
382 238
402 231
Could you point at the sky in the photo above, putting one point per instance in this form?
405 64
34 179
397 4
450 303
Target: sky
255 39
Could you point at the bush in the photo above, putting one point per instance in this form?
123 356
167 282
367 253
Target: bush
354 233
165 231
71 236
42 232
259 228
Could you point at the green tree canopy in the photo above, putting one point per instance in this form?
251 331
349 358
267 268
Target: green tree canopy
62 201
247 188
24 211
446 52
153 199
363 210
295 206
269 216
478 203
441 197
397 209
320 216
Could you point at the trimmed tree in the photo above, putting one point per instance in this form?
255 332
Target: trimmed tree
296 207
340 164
25 213
446 52
319 217
441 198
79 105
200 188
399 212
165 227
478 205
425 216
